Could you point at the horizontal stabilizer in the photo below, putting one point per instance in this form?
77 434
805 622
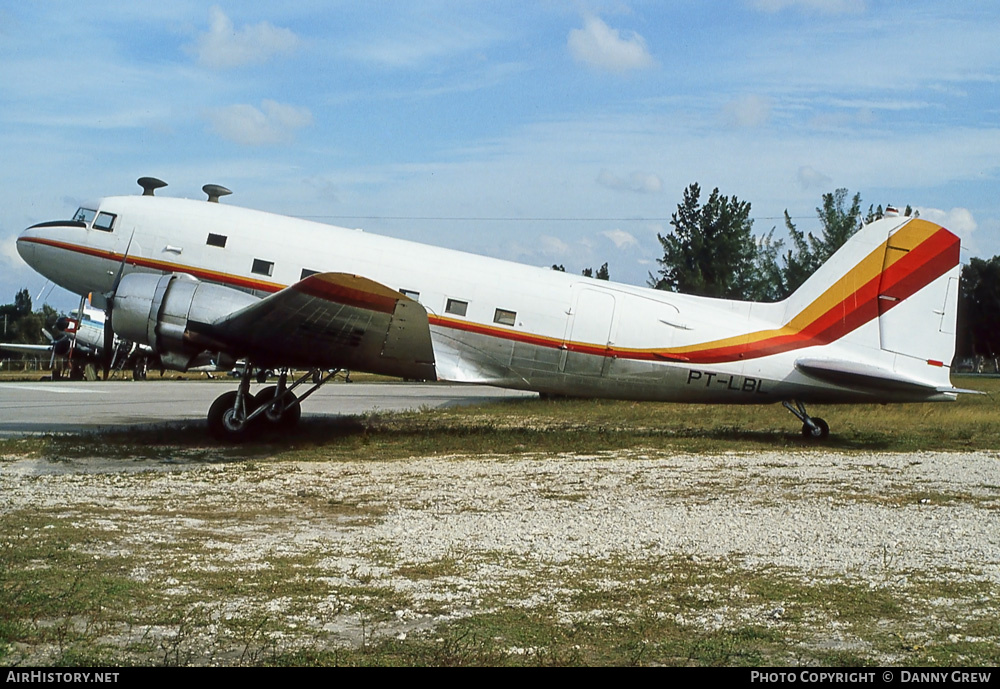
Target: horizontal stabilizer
853 374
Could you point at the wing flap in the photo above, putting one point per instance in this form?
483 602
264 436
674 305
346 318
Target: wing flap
333 320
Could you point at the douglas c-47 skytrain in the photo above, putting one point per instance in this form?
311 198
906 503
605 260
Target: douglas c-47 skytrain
197 280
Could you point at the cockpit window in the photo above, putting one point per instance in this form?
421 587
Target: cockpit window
105 221
84 215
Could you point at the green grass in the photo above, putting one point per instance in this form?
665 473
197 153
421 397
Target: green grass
534 425
681 613
62 605
78 588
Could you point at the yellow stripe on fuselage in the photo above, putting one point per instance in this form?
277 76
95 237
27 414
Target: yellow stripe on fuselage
911 235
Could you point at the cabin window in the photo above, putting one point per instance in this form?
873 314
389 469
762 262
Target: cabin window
415 296
306 272
84 215
456 307
504 317
262 267
218 240
104 221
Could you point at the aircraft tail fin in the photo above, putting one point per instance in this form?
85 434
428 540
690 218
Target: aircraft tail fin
889 297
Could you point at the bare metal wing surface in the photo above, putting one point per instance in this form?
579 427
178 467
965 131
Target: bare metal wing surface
332 320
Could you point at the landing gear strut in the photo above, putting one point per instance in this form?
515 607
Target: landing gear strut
281 406
229 416
236 416
813 427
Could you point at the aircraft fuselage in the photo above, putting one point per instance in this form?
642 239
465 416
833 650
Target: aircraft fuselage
502 323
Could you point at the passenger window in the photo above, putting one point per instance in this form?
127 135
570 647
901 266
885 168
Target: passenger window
262 267
104 222
306 273
504 317
456 307
415 296
218 240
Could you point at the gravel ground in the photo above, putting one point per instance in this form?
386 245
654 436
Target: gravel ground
874 518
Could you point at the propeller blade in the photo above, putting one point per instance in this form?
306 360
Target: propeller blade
108 355
63 346
121 269
79 317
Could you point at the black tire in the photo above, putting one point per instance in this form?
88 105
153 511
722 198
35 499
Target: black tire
820 432
221 423
287 417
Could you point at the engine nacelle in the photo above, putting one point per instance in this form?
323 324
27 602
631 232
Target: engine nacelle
157 310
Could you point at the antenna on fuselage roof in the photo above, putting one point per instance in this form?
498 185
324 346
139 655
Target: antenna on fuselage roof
214 191
150 184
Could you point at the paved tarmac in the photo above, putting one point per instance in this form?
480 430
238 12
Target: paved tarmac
72 407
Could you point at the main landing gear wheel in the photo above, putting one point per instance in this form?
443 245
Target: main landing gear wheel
229 421
818 431
283 414
224 423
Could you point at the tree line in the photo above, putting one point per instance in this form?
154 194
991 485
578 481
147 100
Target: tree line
713 252
20 325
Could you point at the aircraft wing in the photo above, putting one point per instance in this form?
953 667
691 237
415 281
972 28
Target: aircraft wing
16 347
332 320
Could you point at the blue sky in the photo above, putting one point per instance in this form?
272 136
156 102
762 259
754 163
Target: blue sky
542 132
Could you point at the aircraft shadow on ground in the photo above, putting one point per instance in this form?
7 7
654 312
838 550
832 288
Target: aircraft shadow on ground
375 436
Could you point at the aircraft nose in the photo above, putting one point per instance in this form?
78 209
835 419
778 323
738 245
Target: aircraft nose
26 248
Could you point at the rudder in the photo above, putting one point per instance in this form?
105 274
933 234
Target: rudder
890 293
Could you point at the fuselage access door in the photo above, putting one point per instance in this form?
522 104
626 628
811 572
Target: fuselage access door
589 332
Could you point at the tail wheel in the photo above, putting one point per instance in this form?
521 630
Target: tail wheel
225 424
819 430
283 414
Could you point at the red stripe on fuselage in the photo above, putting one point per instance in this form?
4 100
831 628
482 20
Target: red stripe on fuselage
908 275
918 268
228 279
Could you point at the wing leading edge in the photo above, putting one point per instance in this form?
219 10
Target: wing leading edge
332 320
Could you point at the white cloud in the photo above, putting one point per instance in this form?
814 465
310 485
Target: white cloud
640 182
9 258
418 40
600 46
811 178
621 238
748 111
272 123
224 46
822 6
548 245
958 220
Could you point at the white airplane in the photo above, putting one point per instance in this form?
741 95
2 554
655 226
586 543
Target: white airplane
194 279
80 339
